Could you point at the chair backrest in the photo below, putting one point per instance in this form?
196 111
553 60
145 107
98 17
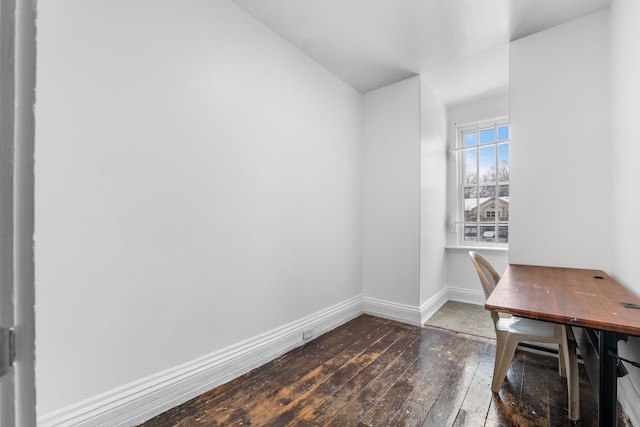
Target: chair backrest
488 275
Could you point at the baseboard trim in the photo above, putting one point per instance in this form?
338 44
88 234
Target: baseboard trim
466 295
392 310
433 304
137 402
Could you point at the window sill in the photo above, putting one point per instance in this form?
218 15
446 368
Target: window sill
485 249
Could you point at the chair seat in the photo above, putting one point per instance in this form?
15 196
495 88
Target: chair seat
524 326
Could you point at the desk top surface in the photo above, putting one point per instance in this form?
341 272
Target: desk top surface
580 297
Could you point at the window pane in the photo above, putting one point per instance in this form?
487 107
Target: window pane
503 133
469 139
503 162
503 233
487 136
471 192
488 210
487 191
471 167
470 232
488 233
485 174
487 164
470 210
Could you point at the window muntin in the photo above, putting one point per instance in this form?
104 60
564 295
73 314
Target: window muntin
482 154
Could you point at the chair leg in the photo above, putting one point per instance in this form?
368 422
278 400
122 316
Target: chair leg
505 349
562 362
573 379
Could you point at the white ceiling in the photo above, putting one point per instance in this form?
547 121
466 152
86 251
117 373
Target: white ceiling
459 46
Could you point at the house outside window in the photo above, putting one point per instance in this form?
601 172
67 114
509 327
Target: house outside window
482 158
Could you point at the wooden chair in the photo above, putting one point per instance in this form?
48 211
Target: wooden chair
511 331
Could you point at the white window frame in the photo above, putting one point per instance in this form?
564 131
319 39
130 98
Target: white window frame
458 217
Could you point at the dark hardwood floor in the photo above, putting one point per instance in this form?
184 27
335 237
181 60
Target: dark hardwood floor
376 372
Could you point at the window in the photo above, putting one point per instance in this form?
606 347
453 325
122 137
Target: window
482 158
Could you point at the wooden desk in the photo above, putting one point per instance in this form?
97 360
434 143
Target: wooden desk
582 298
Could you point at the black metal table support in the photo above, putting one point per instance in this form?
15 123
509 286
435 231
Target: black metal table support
608 376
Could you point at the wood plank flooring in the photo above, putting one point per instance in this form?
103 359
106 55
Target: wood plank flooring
376 372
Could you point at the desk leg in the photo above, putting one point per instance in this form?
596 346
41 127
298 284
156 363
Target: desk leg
608 394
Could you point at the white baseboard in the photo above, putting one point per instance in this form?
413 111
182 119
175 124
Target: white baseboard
405 313
433 304
629 399
466 295
393 311
137 402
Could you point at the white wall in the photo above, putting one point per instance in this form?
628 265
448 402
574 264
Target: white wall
592 91
462 278
391 224
198 182
560 155
433 198
626 149
625 86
